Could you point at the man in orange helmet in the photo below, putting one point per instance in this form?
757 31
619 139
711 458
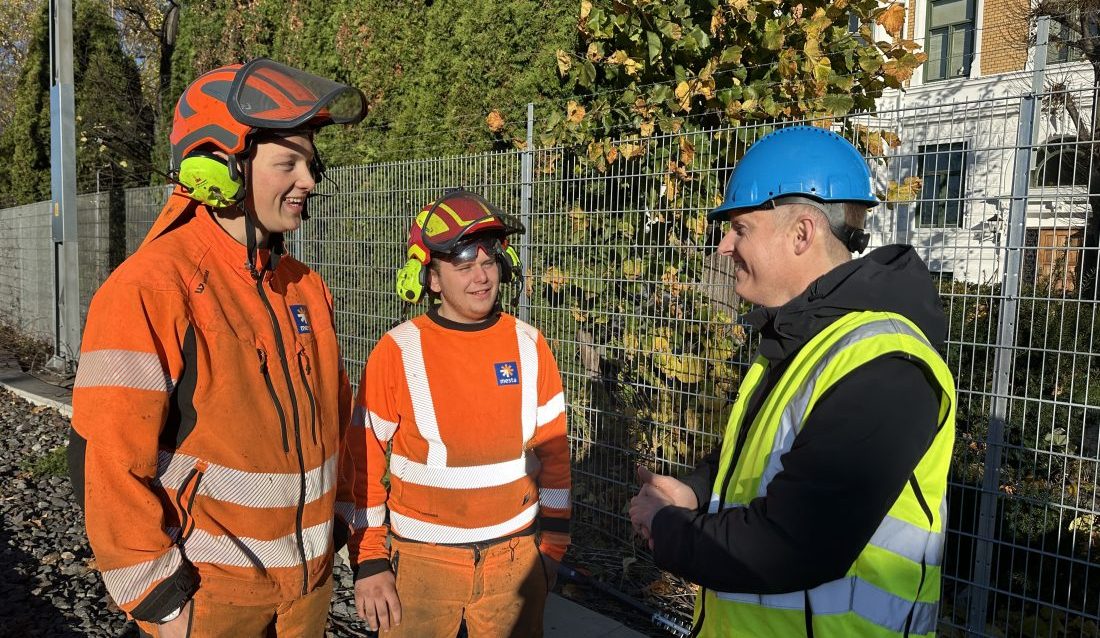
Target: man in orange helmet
210 403
469 400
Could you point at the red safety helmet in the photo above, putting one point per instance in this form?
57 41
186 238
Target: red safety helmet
457 225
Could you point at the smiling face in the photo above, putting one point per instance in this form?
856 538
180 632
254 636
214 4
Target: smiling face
279 181
467 291
760 244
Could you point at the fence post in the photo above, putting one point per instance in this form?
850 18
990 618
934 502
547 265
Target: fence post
66 261
1002 367
526 188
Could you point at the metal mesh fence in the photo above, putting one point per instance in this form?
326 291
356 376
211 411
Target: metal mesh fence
26 270
622 276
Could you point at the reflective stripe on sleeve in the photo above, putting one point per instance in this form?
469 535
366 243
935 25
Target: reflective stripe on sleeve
554 408
122 369
556 498
363 517
127 583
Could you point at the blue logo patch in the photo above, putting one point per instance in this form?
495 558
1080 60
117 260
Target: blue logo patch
301 318
507 374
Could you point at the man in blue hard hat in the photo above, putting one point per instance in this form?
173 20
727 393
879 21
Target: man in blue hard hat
823 512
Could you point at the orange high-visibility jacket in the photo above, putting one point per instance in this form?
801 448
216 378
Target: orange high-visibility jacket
214 409
475 416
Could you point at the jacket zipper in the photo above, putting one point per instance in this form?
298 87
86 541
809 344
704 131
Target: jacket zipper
304 370
262 354
187 521
297 432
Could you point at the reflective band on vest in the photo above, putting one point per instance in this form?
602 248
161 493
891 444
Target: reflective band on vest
435 473
893 587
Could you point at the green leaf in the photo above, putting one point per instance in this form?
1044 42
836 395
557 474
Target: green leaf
653 43
586 74
773 35
838 104
730 55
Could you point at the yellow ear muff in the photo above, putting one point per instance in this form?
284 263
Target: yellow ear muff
411 279
210 180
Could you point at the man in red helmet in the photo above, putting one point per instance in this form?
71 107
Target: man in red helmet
469 401
210 403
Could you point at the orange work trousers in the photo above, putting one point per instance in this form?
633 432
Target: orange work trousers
301 618
500 589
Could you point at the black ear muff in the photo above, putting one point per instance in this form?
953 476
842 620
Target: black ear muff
509 264
211 180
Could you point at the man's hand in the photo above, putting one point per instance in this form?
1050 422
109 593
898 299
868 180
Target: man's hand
657 491
178 626
377 602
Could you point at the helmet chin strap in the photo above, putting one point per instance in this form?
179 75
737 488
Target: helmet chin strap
274 245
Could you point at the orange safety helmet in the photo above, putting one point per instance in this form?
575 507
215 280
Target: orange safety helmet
449 224
223 107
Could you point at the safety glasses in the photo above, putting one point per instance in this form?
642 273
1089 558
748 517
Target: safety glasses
466 250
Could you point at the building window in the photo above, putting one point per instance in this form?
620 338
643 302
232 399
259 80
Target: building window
942 168
1062 161
1066 31
950 44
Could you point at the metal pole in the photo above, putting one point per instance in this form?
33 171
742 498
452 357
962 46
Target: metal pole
1039 73
1002 368
528 178
63 187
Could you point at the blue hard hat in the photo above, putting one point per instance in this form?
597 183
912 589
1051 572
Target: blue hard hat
804 161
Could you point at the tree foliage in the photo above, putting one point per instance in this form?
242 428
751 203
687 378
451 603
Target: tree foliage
112 126
16 29
675 91
431 71
656 67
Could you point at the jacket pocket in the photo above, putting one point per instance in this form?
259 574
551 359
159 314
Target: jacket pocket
185 499
265 371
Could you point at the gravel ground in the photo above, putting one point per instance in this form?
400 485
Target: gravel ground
48 582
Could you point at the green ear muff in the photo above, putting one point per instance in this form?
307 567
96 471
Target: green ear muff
211 180
411 279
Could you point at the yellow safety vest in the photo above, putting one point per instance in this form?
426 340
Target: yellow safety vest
893 587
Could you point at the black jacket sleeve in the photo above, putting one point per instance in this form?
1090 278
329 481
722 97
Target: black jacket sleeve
844 471
701 479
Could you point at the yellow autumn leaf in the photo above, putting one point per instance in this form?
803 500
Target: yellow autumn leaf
554 277
892 19
687 152
565 62
646 128
593 52
631 151
495 121
632 268
683 95
586 8
612 154
660 344
684 368
575 112
578 315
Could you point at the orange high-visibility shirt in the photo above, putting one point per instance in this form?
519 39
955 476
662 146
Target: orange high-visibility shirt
475 416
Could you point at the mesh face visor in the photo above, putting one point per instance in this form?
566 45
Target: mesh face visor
269 95
460 214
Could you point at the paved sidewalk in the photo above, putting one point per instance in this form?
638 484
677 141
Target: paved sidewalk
564 618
